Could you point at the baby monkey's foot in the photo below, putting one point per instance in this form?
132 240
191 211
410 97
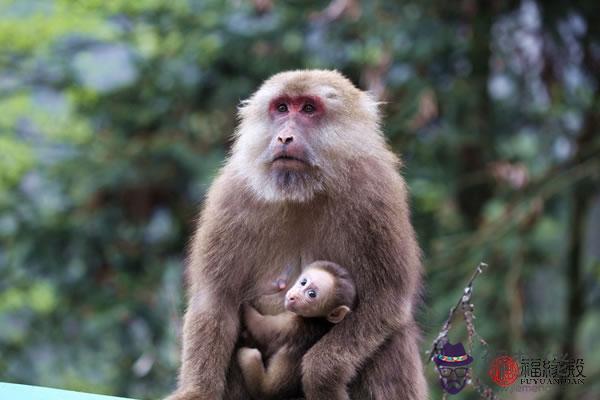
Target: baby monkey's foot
249 357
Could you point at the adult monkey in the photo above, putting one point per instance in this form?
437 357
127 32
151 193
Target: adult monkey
310 177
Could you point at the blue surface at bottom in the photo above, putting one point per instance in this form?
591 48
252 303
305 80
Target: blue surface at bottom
11 391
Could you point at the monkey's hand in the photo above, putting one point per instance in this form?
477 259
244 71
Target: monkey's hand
256 324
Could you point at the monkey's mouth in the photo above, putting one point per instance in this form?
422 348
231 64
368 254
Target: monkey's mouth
287 161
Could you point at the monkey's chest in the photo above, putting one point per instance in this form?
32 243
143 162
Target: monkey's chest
277 276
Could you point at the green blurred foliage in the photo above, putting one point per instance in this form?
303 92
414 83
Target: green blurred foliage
115 115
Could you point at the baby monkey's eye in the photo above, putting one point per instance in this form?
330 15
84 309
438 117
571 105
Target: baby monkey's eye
308 108
311 293
282 108
303 281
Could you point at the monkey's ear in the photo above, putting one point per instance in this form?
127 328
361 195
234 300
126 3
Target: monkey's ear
338 314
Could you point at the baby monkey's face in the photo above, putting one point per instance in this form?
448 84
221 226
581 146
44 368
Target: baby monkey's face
311 294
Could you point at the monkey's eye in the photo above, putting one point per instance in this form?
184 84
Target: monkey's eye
282 108
303 281
311 293
308 108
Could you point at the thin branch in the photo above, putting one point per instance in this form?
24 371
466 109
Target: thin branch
465 299
464 303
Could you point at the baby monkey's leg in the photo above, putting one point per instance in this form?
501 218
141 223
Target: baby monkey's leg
280 376
253 370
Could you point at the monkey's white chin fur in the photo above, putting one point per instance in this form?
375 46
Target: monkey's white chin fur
274 185
286 186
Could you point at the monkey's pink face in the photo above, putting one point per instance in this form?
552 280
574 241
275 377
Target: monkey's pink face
298 133
310 295
293 156
294 120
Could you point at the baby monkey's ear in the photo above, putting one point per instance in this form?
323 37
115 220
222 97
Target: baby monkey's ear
337 314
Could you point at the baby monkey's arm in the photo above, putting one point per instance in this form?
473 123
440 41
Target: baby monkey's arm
264 328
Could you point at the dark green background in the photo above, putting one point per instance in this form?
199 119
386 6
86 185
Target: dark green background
115 116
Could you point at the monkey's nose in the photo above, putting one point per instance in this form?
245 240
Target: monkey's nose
285 139
291 298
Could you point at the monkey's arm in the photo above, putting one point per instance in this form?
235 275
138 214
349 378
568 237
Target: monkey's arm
330 365
264 328
210 329
216 277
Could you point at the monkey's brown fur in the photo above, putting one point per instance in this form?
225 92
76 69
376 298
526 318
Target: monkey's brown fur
349 207
284 338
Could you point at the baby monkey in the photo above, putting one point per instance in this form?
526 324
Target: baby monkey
321 297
